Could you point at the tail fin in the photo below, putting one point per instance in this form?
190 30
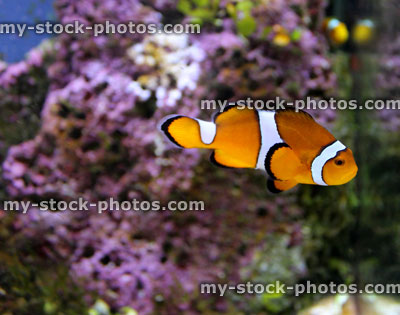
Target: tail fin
188 132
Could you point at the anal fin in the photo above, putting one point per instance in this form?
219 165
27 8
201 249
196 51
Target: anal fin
221 159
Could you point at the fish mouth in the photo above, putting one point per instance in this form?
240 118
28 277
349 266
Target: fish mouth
354 173
350 176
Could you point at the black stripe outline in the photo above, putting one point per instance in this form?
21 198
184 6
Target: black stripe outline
164 127
322 171
268 158
271 187
260 133
320 152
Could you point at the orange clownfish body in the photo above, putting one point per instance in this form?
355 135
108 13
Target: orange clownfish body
290 146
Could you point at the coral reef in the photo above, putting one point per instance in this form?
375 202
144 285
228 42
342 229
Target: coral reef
99 100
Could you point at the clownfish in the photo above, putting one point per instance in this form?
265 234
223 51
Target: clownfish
363 32
336 31
290 146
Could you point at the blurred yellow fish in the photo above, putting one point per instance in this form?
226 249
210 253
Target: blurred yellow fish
336 31
363 32
281 37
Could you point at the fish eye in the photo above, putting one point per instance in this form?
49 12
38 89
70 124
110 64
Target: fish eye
339 162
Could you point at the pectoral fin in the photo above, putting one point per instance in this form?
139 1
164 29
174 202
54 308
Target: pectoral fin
278 186
281 163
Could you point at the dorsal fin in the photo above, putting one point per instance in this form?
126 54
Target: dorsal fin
219 113
233 114
302 133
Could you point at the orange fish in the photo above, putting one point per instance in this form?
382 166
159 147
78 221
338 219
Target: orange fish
290 146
